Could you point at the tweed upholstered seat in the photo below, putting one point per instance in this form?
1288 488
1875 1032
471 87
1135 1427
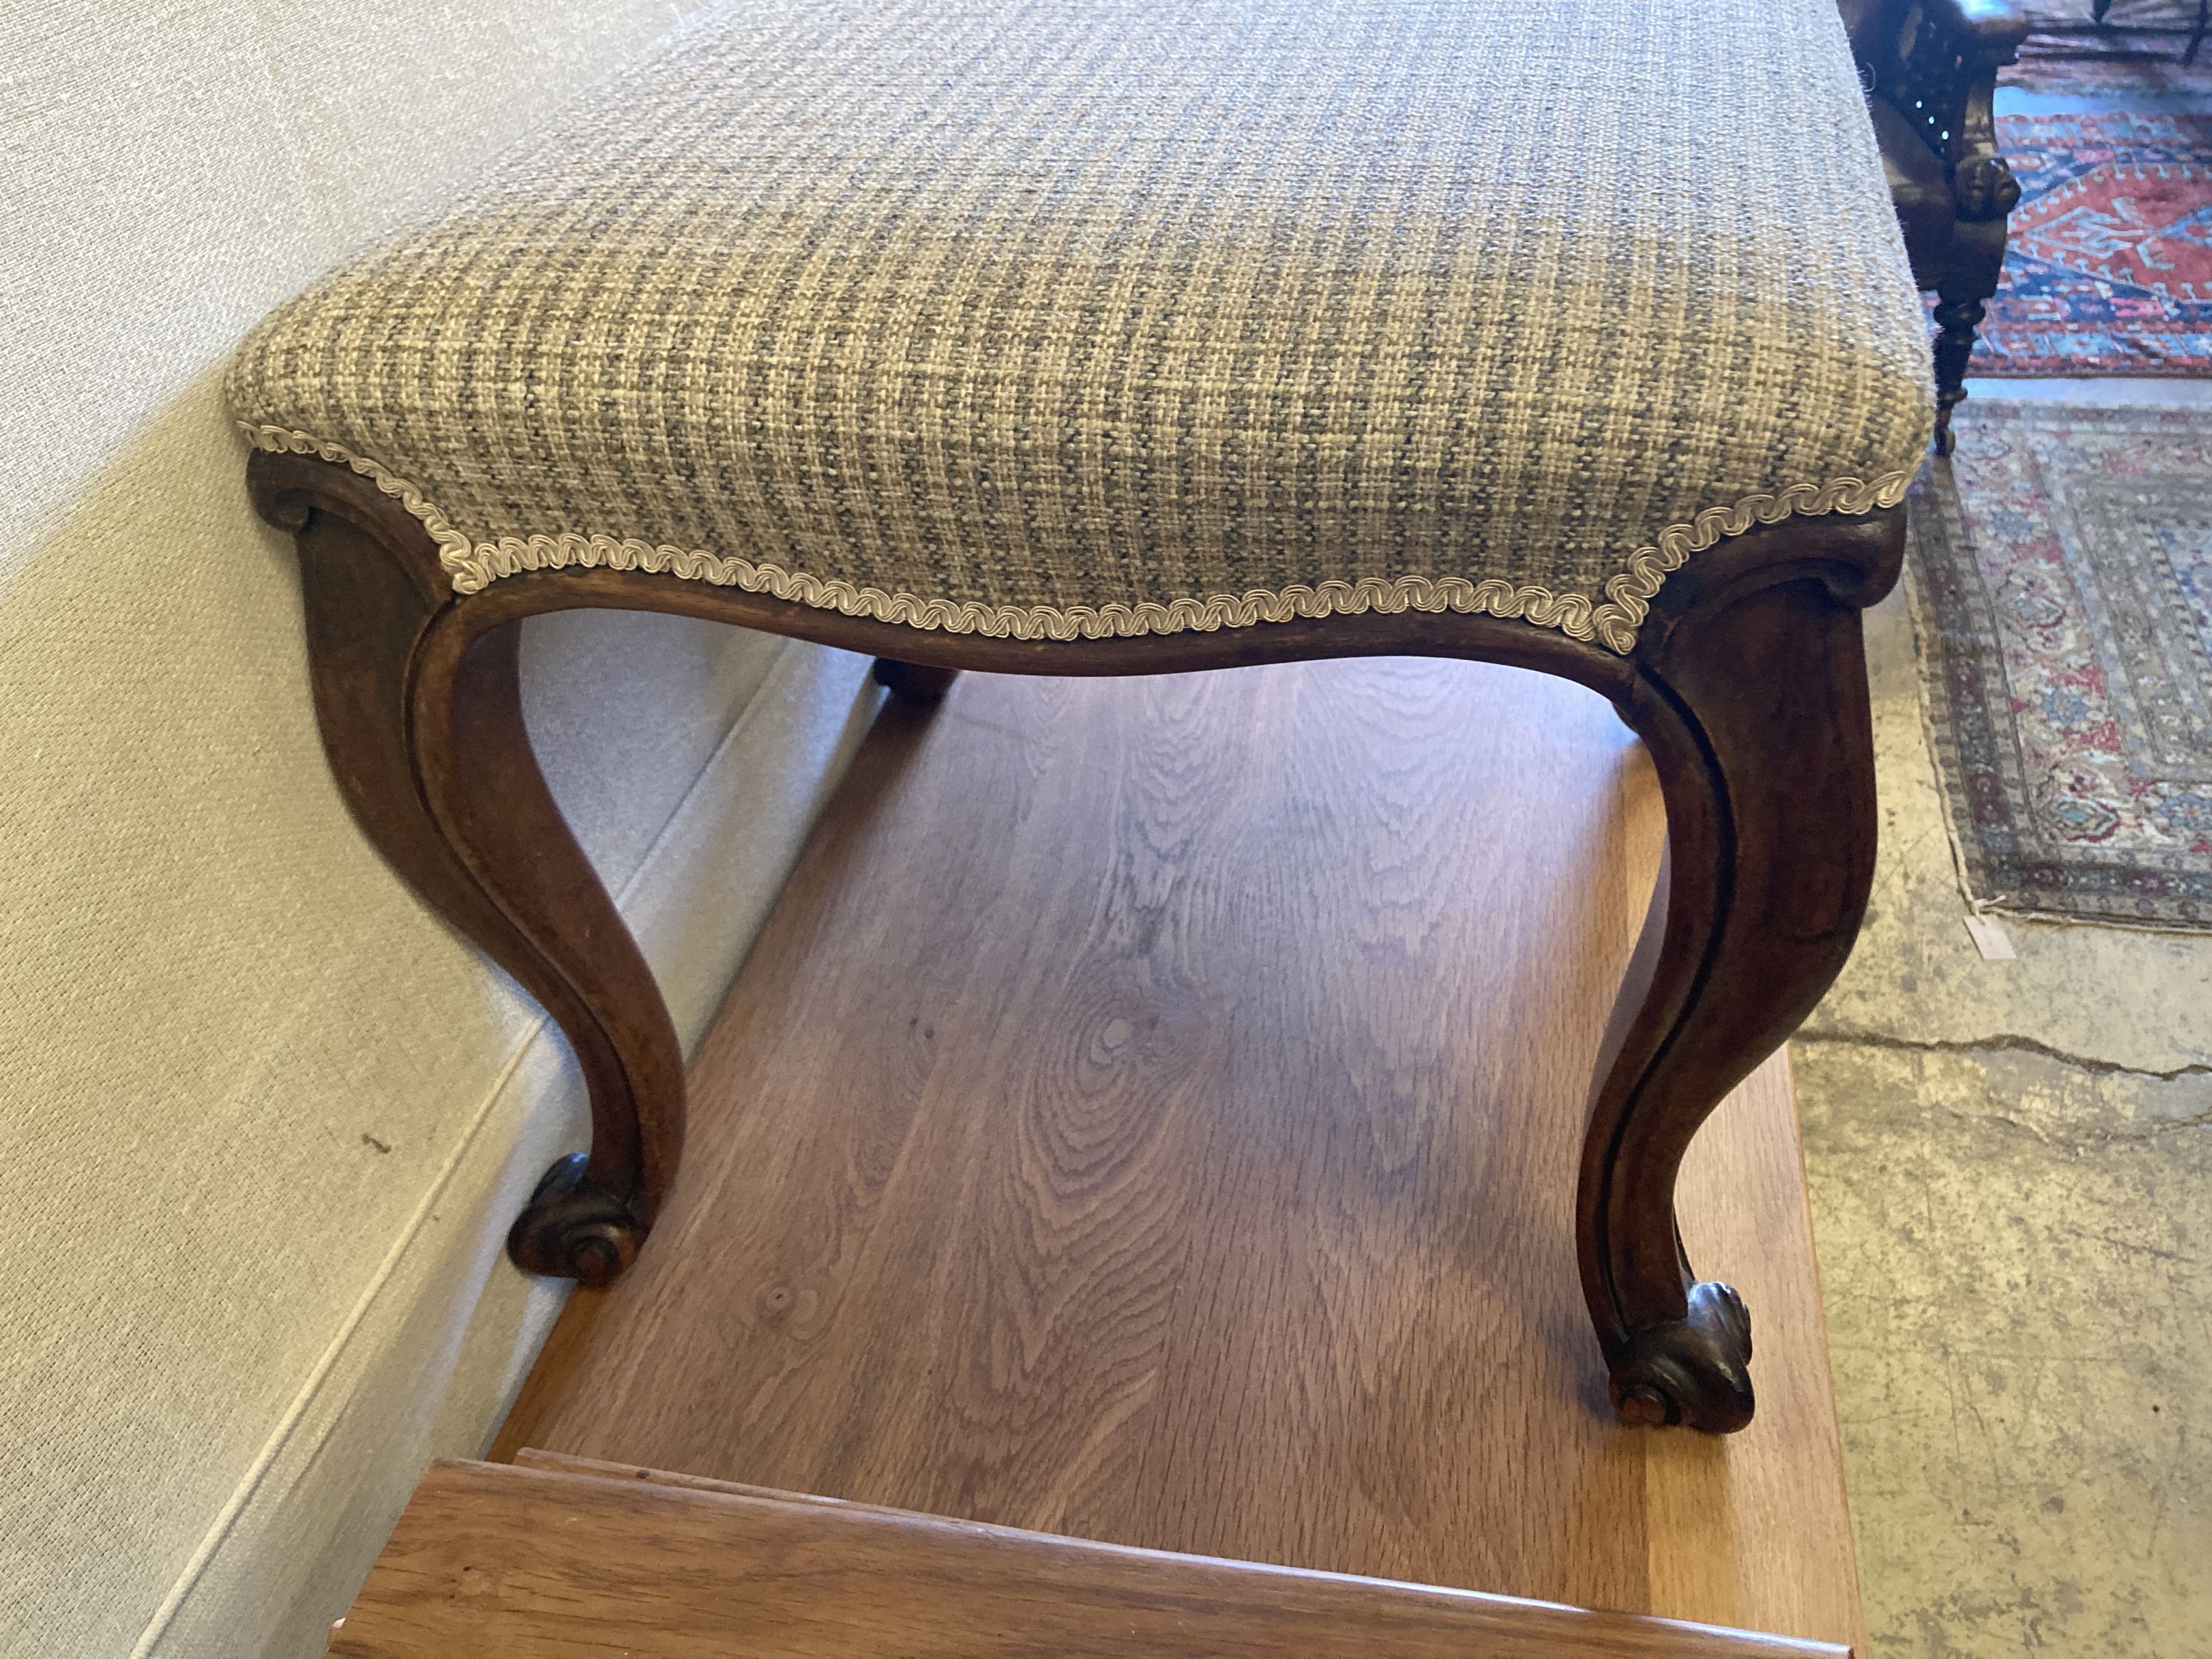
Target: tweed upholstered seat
1082 318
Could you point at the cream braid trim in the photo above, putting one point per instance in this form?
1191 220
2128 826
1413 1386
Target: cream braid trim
475 566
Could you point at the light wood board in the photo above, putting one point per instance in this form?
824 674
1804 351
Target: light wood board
550 1562
1151 1114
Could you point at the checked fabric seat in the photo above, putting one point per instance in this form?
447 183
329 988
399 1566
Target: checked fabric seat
1120 336
1060 319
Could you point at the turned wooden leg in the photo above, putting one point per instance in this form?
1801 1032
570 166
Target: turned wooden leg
912 682
421 716
1751 694
1986 192
1956 319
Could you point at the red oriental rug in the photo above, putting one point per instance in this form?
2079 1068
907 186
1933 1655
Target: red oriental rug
2109 267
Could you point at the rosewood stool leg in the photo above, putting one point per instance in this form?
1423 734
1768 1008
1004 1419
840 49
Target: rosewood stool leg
911 682
421 720
1753 704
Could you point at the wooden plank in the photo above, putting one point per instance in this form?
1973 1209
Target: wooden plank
1151 1114
535 1564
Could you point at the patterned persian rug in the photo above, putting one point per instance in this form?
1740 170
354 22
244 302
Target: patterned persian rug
2062 570
2109 267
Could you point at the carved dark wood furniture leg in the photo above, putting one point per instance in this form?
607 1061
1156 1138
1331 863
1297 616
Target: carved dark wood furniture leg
1751 695
1959 312
422 717
1987 193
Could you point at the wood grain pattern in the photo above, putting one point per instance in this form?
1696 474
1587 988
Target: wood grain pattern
1151 1114
537 1564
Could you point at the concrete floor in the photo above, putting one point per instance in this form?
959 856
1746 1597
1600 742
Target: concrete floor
2011 1173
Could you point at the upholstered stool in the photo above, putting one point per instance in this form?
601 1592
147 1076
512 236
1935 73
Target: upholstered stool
1126 336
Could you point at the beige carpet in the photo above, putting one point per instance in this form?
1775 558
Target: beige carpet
2011 1174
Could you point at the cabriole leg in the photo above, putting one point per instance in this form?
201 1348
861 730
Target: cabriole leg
421 720
1754 706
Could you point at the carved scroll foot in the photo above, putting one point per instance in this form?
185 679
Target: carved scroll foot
572 1230
911 682
1694 1371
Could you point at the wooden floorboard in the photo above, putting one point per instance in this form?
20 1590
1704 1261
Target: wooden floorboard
545 1563
1151 1114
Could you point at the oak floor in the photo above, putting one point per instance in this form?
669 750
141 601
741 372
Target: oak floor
1151 1114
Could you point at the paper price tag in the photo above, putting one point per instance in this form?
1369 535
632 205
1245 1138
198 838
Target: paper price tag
1990 939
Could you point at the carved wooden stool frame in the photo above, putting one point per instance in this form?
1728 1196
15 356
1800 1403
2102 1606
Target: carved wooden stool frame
1746 683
